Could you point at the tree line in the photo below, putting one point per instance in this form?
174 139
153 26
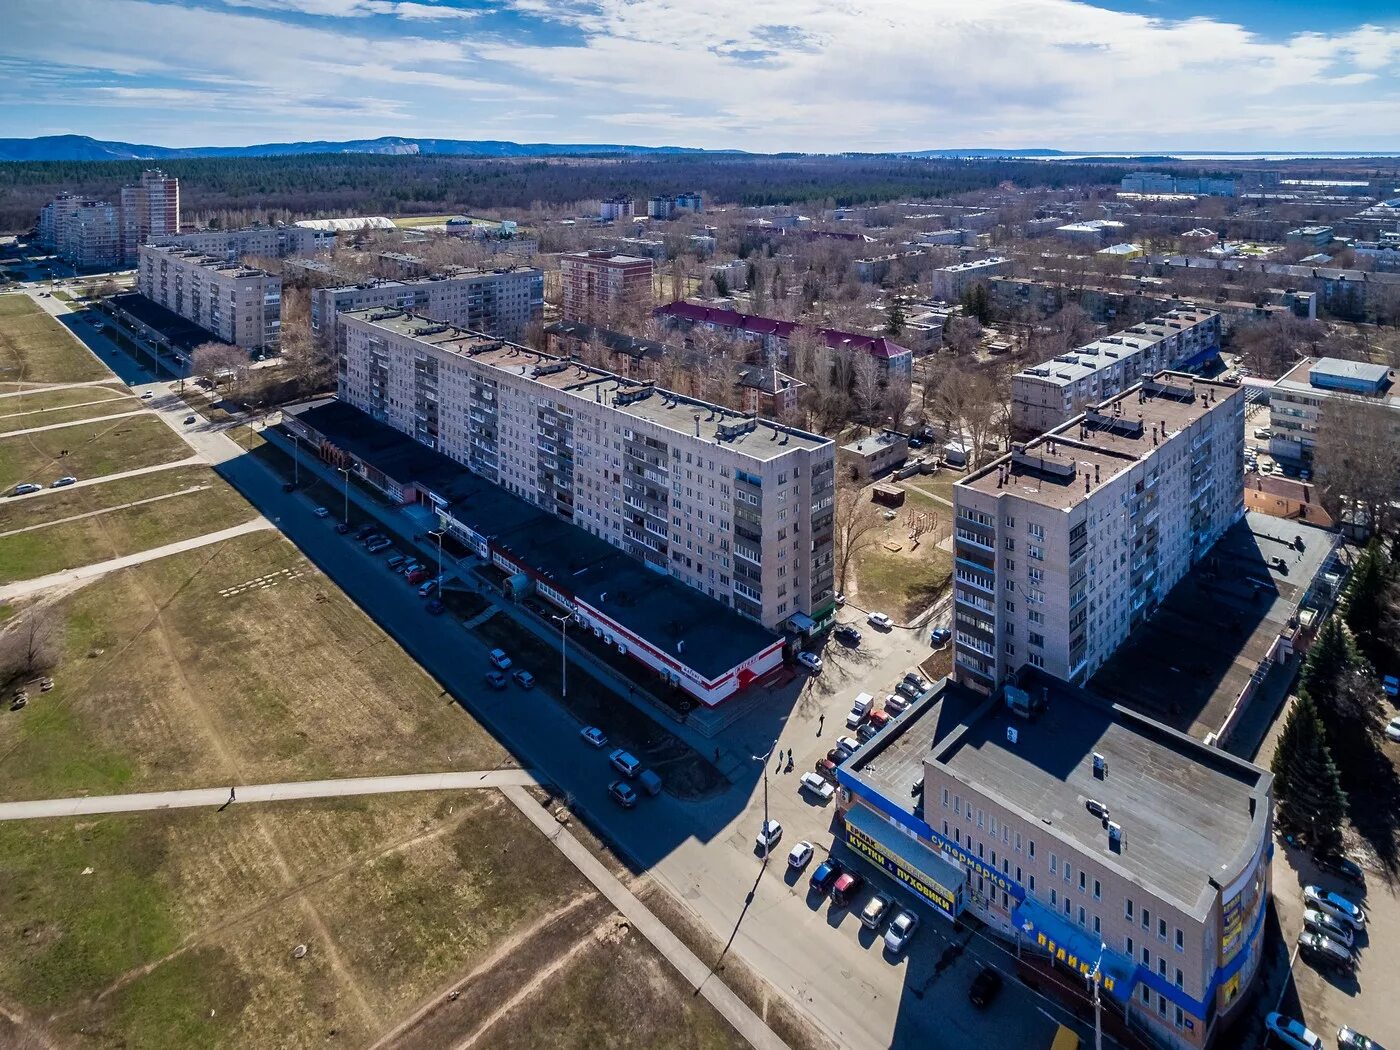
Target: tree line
328 184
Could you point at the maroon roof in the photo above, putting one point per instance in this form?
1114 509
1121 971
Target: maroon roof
694 313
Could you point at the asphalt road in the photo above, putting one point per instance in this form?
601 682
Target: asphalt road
821 960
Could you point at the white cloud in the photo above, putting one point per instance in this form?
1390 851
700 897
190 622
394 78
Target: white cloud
819 75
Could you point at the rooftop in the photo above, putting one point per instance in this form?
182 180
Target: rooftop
1188 812
758 438
607 258
206 262
978 264
1060 468
697 313
1085 361
658 608
1188 664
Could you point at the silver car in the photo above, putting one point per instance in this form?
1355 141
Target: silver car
1320 922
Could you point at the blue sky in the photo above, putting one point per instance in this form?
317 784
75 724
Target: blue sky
816 75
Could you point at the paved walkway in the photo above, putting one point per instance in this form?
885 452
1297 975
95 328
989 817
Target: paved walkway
24 588
104 510
672 948
39 388
64 408
74 423
81 483
218 796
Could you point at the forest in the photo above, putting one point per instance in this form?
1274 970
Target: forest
339 184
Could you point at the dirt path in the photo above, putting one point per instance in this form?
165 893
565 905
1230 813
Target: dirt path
503 950
600 932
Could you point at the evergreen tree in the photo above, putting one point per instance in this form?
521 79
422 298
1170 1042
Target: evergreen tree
1307 787
1338 681
894 317
1366 599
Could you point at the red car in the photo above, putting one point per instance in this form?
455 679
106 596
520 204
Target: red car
419 575
846 887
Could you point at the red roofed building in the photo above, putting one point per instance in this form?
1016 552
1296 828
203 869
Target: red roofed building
896 362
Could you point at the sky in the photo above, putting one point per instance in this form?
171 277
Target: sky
759 75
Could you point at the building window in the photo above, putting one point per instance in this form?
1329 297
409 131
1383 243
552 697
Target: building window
1083 916
1054 898
1128 947
1031 887
1036 660
1146 919
1097 926
1128 909
1030 848
945 798
1098 896
1146 995
1180 940
1180 978
1082 882
1161 929
1180 1018
1054 865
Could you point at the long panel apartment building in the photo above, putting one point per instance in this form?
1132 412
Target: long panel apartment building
91 233
1068 543
269 241
1047 394
501 303
739 508
238 304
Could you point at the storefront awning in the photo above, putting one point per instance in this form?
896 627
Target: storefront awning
1079 949
801 623
929 874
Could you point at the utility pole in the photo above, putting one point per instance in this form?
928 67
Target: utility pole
563 622
1098 1012
346 472
296 461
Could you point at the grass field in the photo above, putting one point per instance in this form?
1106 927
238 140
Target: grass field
906 581
36 348
94 449
181 932
408 222
120 530
26 404
940 484
237 661
54 416
66 503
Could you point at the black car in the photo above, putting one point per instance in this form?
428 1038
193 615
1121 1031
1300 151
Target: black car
847 634
1343 868
495 679
985 987
364 532
341 528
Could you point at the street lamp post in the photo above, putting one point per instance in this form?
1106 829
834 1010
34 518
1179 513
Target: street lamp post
346 471
563 622
439 551
764 759
296 460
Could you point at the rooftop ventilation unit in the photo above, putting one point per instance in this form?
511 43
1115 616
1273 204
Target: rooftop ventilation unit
1100 767
1115 837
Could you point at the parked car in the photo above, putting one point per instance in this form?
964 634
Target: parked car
1320 922
395 561
1390 685
836 756
848 744
1392 728
900 931
410 566
1348 1038
840 600
940 636
896 704
1334 904
826 769
879 719
867 732
419 575
435 608
321 512
341 528
847 634
828 871
594 736
768 836
381 544
1325 953
815 784
985 987
523 678
625 763
189 420
844 889
800 855
1262 433
373 537
1344 868
63 482
500 660
880 620
495 679
811 661
364 532
860 710
427 588
25 488
650 780
877 909
1292 1032
623 794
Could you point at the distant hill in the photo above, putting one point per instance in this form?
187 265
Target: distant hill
81 147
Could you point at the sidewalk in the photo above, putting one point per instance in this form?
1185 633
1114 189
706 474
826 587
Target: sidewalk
729 761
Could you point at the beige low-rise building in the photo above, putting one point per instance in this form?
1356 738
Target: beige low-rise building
1098 844
237 304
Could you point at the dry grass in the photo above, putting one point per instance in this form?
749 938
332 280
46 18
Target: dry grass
94 449
168 683
35 348
62 397
906 581
54 416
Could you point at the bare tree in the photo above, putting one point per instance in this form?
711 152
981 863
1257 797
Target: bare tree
866 393
220 363
1357 461
857 521
30 646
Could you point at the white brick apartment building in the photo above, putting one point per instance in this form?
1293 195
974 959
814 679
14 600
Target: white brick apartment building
501 303
1047 394
738 508
235 303
1067 544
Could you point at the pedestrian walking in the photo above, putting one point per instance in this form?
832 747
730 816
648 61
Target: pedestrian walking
231 795
821 721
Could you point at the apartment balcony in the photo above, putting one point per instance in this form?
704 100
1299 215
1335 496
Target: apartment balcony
986 584
972 601
975 538
967 641
749 555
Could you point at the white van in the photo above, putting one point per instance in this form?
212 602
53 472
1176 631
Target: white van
860 710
